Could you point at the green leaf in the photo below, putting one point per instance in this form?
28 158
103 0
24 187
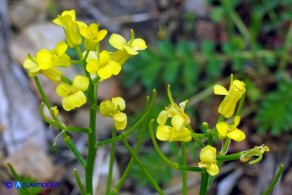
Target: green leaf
166 49
275 113
171 71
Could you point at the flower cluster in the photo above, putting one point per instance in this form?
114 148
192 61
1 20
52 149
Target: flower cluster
180 130
227 109
179 119
99 65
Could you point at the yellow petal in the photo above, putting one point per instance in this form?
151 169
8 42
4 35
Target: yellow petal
101 34
78 98
116 67
64 90
84 32
117 41
208 154
104 72
70 13
183 135
139 44
61 48
107 108
236 121
80 83
236 135
53 74
220 90
222 128
162 117
213 169
177 121
31 66
104 57
130 50
68 103
92 66
119 103
45 59
120 120
163 132
75 100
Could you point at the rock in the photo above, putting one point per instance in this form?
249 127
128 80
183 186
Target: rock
26 12
32 161
35 37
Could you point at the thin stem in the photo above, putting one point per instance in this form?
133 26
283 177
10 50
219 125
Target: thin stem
145 171
92 89
128 168
225 146
285 54
66 80
274 181
111 163
184 173
79 182
228 157
196 137
16 176
204 183
60 125
66 138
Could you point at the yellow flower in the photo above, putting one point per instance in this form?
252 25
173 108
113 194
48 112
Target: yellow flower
72 15
68 21
103 66
50 58
228 105
208 160
131 47
178 130
230 131
126 49
92 36
73 96
113 108
256 151
52 73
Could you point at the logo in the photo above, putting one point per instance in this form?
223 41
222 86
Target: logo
8 184
17 184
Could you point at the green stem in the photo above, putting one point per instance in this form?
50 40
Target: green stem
66 80
287 46
128 168
111 163
274 181
79 182
92 93
237 20
145 171
225 146
228 157
196 137
66 138
184 173
16 176
60 125
204 183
